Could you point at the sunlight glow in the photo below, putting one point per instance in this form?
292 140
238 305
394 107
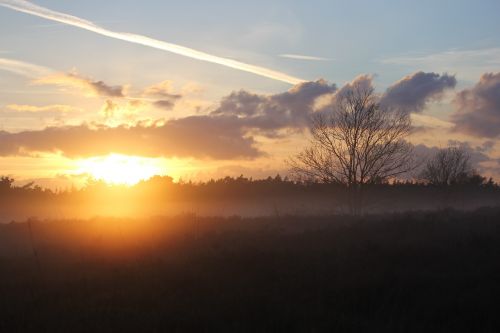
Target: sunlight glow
120 169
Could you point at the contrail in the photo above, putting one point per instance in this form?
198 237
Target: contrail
30 8
303 57
24 68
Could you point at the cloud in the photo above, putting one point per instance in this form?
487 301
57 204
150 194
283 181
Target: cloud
413 92
163 90
104 90
293 108
222 134
362 82
54 108
109 109
31 115
478 108
46 76
226 132
33 9
117 113
290 109
303 57
165 104
74 80
326 102
424 121
196 136
476 153
23 68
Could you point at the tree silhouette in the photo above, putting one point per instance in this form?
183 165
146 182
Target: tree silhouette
358 143
447 167
6 183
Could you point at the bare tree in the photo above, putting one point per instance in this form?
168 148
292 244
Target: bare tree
357 143
448 166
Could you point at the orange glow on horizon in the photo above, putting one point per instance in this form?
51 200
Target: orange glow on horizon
120 169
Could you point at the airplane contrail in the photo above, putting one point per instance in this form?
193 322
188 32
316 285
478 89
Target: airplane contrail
33 9
303 57
24 68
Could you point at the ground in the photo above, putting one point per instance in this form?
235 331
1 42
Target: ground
407 272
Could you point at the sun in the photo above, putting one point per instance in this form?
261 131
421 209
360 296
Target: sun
120 169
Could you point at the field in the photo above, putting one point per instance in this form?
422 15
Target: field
403 272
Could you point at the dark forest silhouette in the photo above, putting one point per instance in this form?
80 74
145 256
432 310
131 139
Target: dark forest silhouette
274 195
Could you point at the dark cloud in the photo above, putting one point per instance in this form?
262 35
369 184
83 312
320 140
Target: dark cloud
329 102
411 93
291 109
103 89
198 136
88 85
164 91
166 104
362 83
477 154
487 146
169 95
222 134
478 108
242 103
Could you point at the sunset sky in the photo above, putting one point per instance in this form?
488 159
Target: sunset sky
122 90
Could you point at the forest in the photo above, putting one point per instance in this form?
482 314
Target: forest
242 196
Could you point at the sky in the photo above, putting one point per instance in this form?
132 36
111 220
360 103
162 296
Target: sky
199 89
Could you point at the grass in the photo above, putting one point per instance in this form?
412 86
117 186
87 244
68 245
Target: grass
408 272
